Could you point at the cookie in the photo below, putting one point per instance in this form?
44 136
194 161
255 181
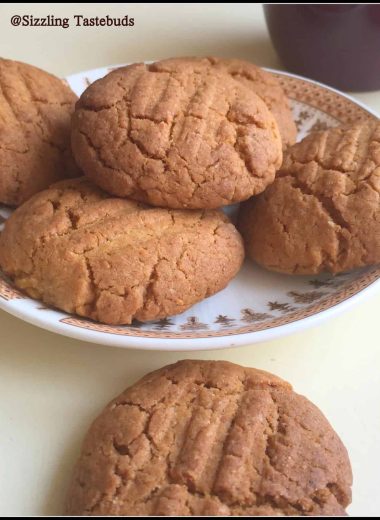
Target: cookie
211 438
178 139
112 260
263 83
35 113
322 213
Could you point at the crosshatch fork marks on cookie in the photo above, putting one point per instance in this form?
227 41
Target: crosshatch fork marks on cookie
175 139
211 438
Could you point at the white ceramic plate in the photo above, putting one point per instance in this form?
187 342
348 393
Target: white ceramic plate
257 305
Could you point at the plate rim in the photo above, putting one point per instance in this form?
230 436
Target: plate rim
324 86
191 344
196 343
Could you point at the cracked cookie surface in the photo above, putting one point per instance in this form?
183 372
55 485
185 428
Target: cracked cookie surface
177 139
35 113
80 250
211 438
322 213
263 83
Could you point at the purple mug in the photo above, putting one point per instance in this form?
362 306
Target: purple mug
336 44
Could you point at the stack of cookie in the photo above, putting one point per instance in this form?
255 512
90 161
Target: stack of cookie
163 147
169 143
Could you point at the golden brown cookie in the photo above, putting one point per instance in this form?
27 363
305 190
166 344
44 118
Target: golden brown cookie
263 83
78 249
35 113
178 139
322 213
211 438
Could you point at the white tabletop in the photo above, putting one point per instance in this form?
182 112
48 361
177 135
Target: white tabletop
51 387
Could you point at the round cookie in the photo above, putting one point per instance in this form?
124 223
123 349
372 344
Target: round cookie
78 249
211 438
35 113
178 139
263 83
322 213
